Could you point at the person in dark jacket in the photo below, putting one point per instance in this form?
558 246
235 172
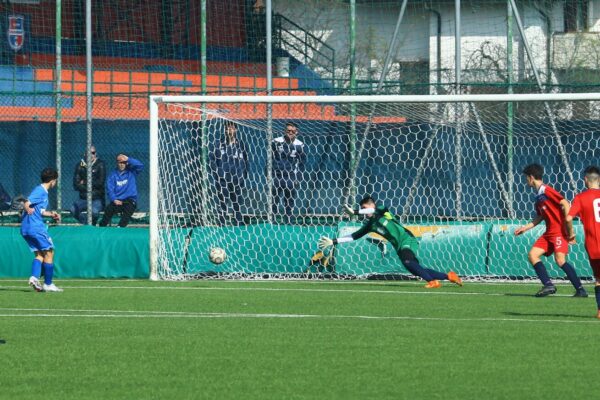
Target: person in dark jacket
121 188
230 167
79 207
5 199
288 163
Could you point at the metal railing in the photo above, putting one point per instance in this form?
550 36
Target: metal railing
305 47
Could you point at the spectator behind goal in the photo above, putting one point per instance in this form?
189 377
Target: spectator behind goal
121 188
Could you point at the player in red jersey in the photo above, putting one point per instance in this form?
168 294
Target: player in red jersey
586 206
552 208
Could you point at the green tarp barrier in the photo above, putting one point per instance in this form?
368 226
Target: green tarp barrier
467 248
81 252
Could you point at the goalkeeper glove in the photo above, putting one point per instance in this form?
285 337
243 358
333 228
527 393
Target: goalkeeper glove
349 210
324 243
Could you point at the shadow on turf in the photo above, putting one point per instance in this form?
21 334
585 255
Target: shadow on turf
518 314
27 290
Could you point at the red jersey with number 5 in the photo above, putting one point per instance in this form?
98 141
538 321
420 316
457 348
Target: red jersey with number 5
547 206
586 206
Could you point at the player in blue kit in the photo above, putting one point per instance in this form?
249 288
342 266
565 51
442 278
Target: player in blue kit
35 232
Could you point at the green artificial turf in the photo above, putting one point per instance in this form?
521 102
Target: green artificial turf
295 340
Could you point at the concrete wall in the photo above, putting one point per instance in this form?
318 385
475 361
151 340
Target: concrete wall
483 31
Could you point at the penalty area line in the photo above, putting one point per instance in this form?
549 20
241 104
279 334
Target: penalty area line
153 314
263 289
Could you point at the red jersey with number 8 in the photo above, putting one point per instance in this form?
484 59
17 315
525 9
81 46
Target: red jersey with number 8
586 206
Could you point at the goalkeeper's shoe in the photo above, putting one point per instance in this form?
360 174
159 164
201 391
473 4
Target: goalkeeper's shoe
51 288
454 278
546 290
598 315
35 284
434 284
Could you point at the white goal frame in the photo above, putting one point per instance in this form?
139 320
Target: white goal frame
378 99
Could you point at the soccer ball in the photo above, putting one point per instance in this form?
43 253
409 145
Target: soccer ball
217 255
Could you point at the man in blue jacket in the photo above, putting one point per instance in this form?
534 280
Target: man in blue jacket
230 168
288 163
122 190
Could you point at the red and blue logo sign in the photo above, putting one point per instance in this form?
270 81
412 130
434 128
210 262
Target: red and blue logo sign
16 31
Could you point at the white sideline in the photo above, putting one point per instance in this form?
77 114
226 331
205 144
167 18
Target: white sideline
167 314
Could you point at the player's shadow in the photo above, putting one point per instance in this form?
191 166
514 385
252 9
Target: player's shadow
26 290
520 295
557 315
398 284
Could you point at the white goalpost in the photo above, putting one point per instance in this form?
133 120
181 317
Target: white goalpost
224 174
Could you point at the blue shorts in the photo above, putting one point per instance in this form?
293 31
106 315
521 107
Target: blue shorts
39 241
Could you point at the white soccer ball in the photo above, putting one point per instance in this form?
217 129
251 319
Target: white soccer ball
217 255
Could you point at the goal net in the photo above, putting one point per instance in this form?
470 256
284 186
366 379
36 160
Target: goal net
265 177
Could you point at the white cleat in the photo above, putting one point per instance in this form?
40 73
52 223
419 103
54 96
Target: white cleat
35 284
51 288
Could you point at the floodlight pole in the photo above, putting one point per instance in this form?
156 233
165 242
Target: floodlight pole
58 87
204 143
353 137
203 68
89 104
269 139
510 107
458 110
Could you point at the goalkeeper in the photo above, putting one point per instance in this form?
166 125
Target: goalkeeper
381 221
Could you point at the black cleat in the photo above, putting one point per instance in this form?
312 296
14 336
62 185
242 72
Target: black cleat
580 293
546 290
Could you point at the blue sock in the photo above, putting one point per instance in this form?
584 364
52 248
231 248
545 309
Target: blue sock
414 268
540 270
436 274
48 273
572 275
36 268
597 290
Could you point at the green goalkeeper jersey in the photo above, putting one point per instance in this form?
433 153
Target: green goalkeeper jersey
385 224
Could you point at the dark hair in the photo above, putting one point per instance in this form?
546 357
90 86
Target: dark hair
291 124
535 170
49 174
367 199
592 169
230 123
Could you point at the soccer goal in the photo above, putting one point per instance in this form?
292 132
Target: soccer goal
448 167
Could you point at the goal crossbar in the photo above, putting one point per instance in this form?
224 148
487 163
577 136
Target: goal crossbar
464 98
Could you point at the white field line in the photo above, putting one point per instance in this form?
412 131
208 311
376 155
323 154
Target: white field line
43 313
415 282
253 289
256 289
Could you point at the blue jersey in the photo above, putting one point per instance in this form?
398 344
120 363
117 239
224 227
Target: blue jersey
34 223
